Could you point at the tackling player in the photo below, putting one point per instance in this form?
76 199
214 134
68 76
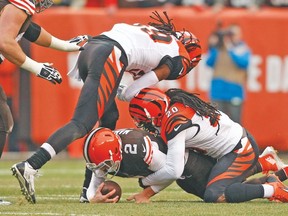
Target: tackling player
186 122
152 52
136 153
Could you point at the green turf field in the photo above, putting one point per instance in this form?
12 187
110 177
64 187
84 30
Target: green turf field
58 190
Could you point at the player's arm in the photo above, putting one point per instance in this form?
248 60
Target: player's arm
147 80
165 176
41 37
11 21
173 167
94 194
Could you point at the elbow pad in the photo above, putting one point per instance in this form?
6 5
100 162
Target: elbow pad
181 67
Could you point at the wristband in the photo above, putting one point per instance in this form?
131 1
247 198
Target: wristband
63 45
31 65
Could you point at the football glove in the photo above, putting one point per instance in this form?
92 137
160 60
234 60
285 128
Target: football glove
79 39
121 92
51 74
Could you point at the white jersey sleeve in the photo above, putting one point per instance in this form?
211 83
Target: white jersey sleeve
173 167
27 5
94 184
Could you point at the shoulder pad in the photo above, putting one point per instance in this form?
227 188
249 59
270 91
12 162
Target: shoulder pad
177 118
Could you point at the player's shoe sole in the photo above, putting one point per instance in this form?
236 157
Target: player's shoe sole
18 172
270 160
3 202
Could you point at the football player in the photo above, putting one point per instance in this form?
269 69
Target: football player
185 121
15 23
151 52
136 153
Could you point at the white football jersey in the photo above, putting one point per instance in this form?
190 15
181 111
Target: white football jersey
213 140
144 45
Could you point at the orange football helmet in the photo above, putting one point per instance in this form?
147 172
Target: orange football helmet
102 151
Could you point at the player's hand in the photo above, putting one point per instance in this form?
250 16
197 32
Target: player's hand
79 39
139 198
143 196
121 92
100 198
49 73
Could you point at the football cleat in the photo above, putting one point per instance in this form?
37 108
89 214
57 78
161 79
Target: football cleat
270 161
3 202
25 175
83 196
280 190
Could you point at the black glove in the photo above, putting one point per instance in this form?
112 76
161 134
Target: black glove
51 74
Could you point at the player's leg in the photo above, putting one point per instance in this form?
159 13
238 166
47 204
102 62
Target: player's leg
229 181
230 169
6 120
108 120
6 125
98 92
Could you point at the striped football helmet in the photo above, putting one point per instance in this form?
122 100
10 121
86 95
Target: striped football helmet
192 45
148 107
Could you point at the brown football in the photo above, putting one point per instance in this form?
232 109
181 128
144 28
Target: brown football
109 186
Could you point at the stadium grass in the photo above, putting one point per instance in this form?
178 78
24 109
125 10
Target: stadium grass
59 187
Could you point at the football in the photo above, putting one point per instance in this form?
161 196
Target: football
109 186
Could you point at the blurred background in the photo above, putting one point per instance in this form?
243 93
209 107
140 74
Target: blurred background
39 108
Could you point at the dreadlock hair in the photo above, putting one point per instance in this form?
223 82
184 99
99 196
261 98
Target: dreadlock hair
166 27
201 108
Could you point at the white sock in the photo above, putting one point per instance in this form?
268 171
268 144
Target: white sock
268 190
49 149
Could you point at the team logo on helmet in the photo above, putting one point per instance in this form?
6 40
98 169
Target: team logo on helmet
192 45
148 107
102 151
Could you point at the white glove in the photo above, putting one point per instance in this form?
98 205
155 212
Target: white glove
70 45
121 92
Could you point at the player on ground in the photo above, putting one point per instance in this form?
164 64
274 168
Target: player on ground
136 153
152 52
15 23
186 122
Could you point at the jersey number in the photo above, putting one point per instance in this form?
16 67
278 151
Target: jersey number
156 35
172 111
130 148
